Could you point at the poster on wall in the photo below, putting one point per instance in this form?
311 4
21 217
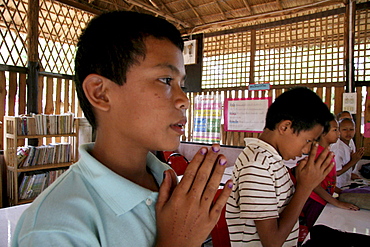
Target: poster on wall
349 102
207 118
367 130
190 52
246 114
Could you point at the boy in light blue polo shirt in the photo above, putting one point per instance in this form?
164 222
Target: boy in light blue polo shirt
129 68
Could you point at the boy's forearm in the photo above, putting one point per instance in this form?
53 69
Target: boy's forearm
346 167
287 219
325 195
290 214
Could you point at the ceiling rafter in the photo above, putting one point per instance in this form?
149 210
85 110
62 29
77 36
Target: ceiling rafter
163 7
158 12
247 5
278 2
219 24
221 11
208 15
195 12
154 4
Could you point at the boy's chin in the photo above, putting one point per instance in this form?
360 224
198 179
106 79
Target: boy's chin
171 146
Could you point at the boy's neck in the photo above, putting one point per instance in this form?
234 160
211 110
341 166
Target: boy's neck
345 141
126 161
269 137
324 143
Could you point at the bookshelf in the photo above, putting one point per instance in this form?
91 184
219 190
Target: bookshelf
30 169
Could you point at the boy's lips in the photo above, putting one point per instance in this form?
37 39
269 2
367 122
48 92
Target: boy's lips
179 127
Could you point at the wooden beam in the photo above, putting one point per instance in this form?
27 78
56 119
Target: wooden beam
279 4
234 21
221 11
246 4
164 8
158 12
195 12
82 6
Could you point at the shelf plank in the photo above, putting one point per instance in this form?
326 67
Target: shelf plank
38 136
40 167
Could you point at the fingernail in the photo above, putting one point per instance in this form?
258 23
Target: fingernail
216 149
230 185
203 151
222 161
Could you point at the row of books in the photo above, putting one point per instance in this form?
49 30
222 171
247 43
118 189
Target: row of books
46 154
43 124
33 184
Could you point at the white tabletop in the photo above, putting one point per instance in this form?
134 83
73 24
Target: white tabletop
8 220
344 220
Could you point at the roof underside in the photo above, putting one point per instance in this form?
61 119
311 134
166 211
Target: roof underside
194 16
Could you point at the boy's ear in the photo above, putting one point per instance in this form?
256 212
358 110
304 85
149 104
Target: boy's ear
95 87
284 125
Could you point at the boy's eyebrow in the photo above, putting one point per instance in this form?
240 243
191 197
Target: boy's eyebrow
171 67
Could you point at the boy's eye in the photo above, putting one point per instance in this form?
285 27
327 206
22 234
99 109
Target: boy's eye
166 80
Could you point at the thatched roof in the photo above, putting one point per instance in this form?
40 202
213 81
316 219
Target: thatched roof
194 16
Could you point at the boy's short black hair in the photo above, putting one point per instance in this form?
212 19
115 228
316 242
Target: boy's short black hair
341 113
346 120
111 43
301 106
327 126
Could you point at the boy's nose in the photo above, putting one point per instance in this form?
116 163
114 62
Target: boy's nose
182 100
307 148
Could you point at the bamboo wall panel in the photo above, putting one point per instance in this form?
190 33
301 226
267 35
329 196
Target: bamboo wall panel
12 93
22 93
57 95
2 105
39 96
366 142
338 99
49 105
358 117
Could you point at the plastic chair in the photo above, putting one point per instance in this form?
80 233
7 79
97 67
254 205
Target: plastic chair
178 162
164 155
220 233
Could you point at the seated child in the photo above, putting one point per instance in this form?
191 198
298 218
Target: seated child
343 114
323 193
346 114
346 157
264 205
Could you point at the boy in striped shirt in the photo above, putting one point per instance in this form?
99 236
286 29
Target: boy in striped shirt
264 206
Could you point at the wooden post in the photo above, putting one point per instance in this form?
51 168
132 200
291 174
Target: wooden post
33 60
253 56
33 56
349 33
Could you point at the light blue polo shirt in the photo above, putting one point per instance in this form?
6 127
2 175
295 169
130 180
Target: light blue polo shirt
90 205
